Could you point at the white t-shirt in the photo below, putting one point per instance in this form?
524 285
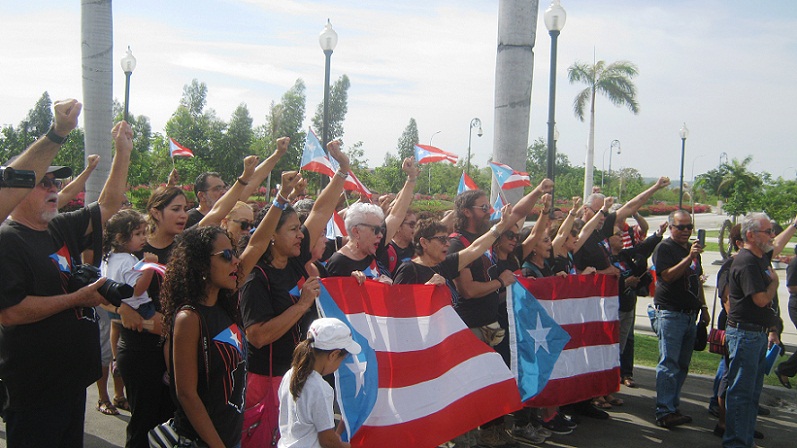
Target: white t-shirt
301 420
119 268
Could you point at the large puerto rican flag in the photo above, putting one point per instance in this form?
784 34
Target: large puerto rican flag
178 150
422 377
577 315
428 154
316 160
508 178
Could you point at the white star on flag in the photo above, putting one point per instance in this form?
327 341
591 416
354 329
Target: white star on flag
357 367
540 335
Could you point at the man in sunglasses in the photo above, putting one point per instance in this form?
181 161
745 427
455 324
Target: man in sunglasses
751 328
678 301
49 344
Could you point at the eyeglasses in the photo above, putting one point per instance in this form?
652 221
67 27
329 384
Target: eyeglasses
620 234
442 239
48 182
683 227
245 225
485 208
410 224
376 228
769 231
226 254
215 189
510 235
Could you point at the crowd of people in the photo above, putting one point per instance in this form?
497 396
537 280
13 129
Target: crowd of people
205 317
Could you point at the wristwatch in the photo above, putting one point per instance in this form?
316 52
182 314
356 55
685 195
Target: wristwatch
55 138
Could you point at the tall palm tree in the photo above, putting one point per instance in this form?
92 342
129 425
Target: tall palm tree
613 81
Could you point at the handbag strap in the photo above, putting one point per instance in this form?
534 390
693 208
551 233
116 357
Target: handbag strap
270 348
714 308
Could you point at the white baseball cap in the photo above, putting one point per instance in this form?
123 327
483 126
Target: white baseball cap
331 334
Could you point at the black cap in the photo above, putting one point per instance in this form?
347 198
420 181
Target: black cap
58 171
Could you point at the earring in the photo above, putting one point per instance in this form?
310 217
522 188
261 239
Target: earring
272 242
204 278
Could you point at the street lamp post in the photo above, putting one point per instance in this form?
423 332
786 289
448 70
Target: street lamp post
429 165
475 123
328 39
684 132
128 65
555 18
614 144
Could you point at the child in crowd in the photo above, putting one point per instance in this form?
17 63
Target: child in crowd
126 233
306 418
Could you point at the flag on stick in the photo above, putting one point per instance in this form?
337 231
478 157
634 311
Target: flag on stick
316 160
466 183
428 154
508 178
178 150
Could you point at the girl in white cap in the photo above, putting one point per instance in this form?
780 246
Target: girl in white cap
306 418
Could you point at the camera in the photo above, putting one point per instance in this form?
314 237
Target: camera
113 292
11 178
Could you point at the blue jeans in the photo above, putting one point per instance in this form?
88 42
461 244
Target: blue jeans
747 352
713 403
676 333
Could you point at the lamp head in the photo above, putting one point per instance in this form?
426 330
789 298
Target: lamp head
684 132
328 39
555 17
128 62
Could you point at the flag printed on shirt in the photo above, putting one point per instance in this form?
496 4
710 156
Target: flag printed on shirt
428 154
62 259
178 150
586 308
466 184
508 178
231 346
315 159
422 378
146 265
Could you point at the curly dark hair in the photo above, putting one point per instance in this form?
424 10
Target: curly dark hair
119 230
464 201
187 275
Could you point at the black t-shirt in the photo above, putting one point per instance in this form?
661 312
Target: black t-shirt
194 216
626 262
58 356
683 293
146 341
477 311
392 257
595 251
223 395
340 265
266 294
791 278
563 263
749 275
412 273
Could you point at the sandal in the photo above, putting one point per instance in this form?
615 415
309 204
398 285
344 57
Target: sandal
121 403
601 403
614 401
628 381
107 408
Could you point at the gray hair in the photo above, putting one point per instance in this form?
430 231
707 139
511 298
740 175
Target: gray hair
358 212
752 223
591 198
671 217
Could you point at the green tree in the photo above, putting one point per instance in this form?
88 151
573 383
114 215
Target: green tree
338 106
39 119
141 160
614 82
778 199
409 138
740 187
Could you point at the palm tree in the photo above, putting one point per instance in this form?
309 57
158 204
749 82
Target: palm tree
614 81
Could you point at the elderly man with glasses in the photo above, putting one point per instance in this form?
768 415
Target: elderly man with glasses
751 328
678 301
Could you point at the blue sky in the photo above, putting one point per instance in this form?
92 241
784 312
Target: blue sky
723 67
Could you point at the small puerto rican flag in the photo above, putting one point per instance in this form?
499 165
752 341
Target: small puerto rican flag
142 266
466 183
508 178
178 150
428 154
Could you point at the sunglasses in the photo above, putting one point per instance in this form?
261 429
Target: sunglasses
245 225
226 254
683 227
769 231
376 228
485 208
442 239
510 235
48 182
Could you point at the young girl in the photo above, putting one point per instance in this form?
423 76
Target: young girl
306 418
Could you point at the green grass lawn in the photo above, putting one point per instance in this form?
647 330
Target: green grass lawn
646 353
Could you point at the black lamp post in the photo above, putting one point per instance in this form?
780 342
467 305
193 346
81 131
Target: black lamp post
555 18
128 65
328 39
684 132
475 123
